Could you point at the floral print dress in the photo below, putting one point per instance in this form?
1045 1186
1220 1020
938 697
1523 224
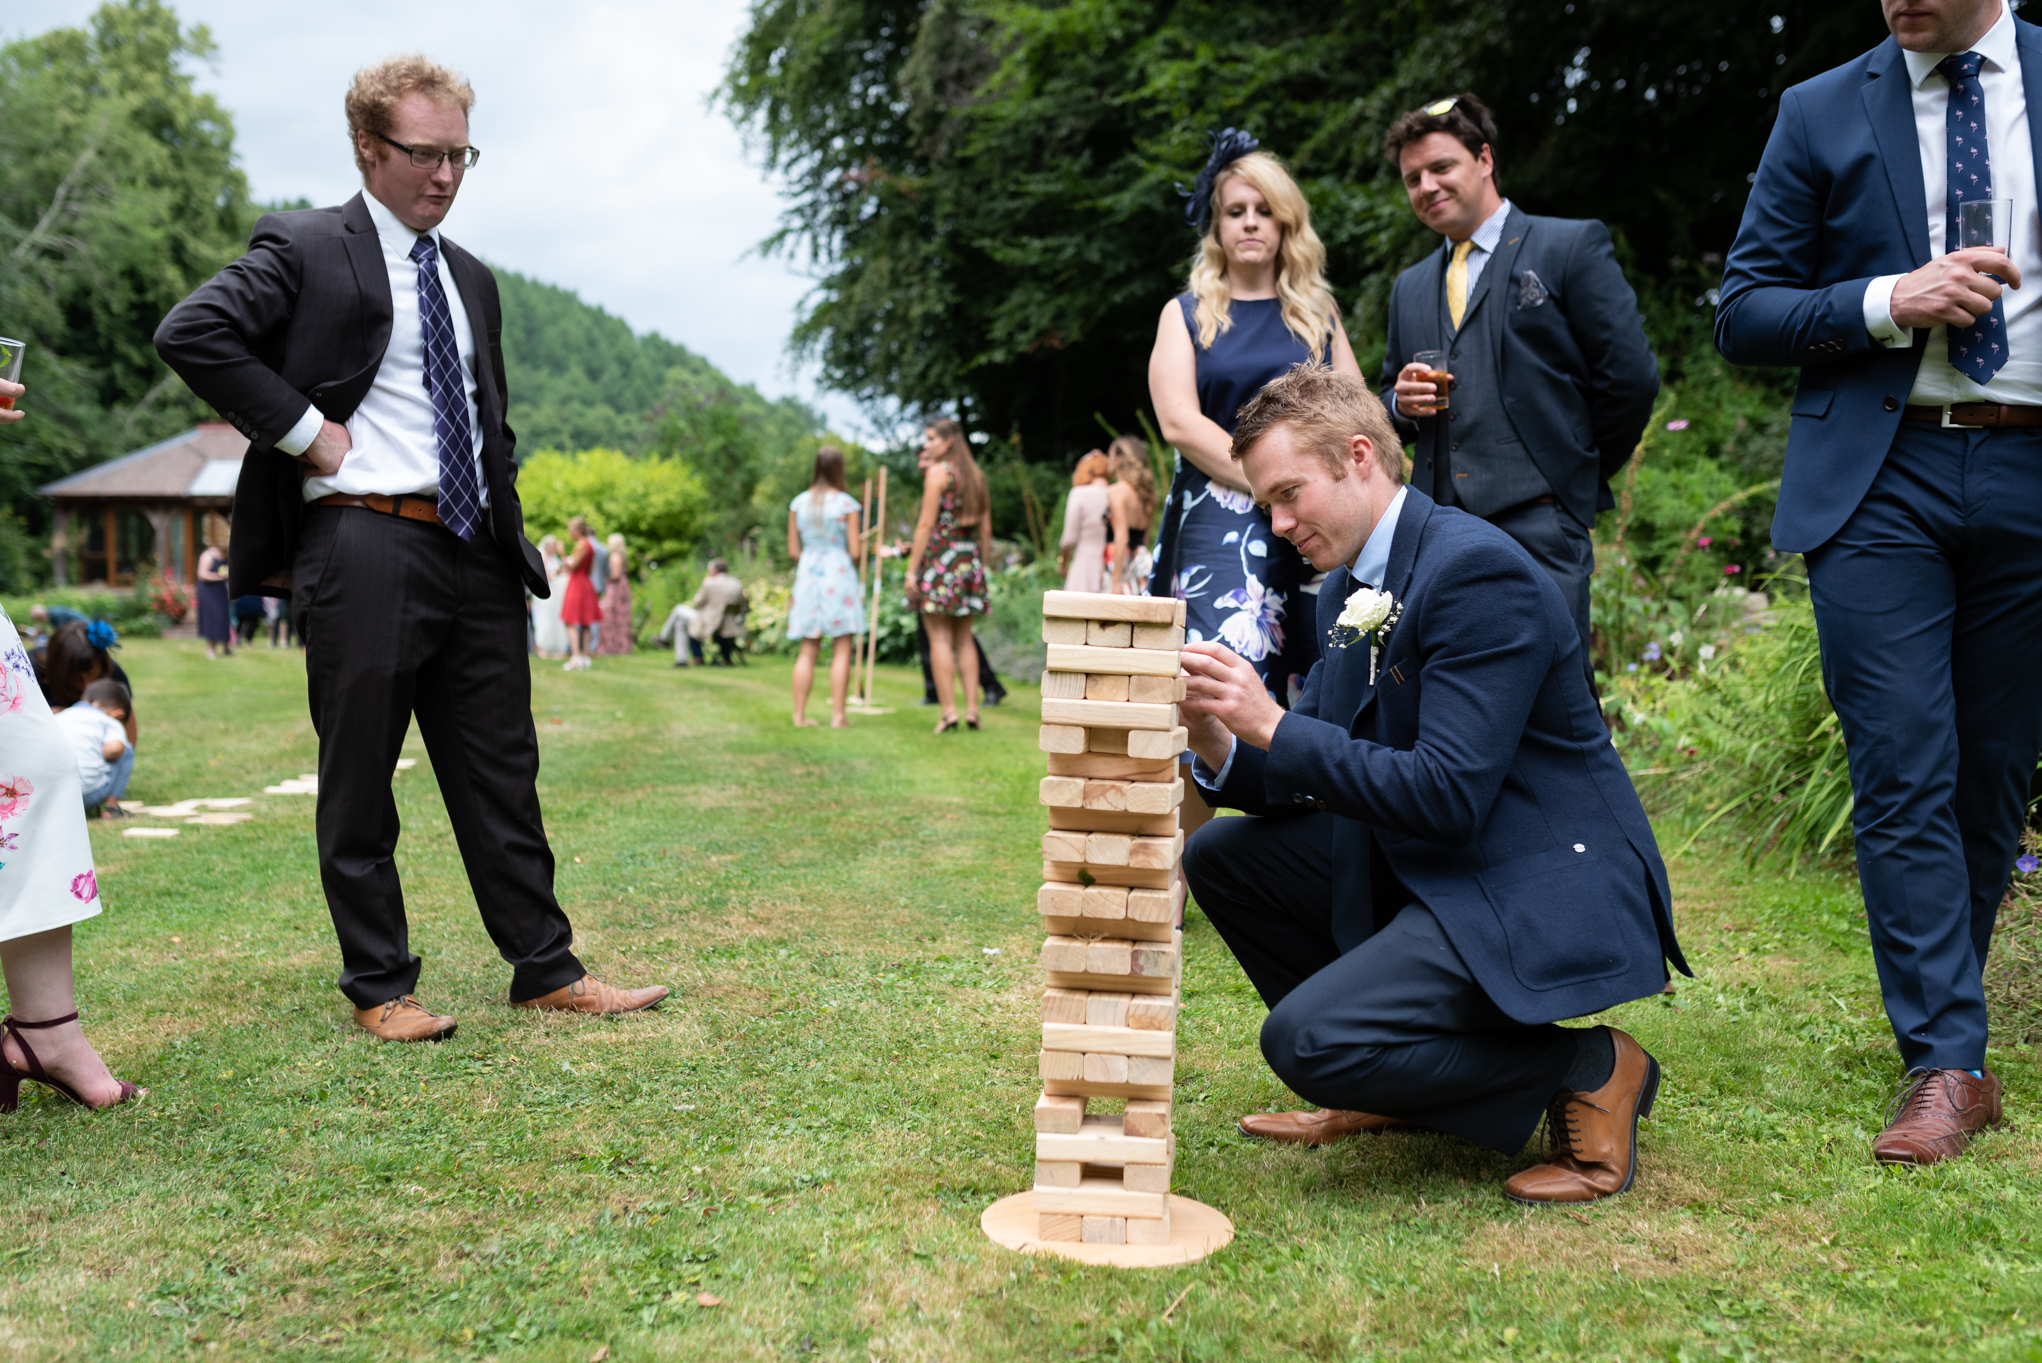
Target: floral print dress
46 876
953 580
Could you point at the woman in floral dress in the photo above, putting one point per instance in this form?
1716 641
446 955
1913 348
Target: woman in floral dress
946 567
617 636
822 532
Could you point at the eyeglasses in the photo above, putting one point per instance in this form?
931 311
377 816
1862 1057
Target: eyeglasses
1434 109
426 159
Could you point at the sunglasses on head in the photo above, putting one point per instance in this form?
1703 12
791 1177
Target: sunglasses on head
1442 106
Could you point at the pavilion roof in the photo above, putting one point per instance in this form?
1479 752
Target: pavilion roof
201 463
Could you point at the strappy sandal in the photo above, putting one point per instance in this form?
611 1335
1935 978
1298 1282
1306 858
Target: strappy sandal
971 723
10 1077
947 725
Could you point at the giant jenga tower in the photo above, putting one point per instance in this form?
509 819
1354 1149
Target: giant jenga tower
1112 954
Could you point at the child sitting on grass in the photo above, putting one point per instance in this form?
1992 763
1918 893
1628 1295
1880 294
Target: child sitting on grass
96 726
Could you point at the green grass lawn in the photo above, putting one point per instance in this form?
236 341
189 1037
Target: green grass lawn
805 1135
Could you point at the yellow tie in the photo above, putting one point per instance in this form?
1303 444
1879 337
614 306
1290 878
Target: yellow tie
1457 282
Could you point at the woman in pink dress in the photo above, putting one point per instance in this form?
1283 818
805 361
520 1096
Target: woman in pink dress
579 608
617 633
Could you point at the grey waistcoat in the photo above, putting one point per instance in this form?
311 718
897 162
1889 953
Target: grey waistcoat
1491 468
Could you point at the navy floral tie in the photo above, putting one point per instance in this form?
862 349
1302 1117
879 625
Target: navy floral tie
460 507
1976 351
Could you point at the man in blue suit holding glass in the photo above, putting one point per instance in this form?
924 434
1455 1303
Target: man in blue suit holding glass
1913 488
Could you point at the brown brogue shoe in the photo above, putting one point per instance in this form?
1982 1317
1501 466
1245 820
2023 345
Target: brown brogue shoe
1935 1114
1317 1128
404 1018
1592 1138
590 995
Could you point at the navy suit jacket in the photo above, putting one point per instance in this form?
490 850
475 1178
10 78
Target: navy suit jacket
1579 378
1482 767
1837 202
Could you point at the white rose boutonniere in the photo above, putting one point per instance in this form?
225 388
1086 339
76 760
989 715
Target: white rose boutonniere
1369 613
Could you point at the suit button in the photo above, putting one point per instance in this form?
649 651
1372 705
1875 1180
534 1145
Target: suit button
1454 450
1893 404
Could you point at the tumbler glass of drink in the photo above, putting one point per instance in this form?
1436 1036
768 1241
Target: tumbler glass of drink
1435 369
10 365
1986 222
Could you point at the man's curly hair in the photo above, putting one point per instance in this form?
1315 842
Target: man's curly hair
373 94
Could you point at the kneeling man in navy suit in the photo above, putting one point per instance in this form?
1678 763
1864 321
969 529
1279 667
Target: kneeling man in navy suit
1449 857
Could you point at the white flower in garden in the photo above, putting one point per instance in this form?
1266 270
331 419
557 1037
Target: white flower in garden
1675 638
1708 651
1365 609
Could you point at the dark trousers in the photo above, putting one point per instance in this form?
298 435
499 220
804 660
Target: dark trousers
1927 607
401 618
1561 545
1398 1025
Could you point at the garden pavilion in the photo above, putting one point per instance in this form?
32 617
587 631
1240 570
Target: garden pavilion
153 509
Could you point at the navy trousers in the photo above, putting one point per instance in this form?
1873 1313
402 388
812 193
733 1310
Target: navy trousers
1397 1025
1929 607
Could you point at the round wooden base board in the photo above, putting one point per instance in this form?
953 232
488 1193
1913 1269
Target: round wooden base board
1196 1230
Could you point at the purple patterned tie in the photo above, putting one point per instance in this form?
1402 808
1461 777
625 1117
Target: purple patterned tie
1976 351
460 508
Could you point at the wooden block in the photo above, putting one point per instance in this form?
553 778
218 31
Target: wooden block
1066 632
1106 686
1101 1197
1117 767
1104 901
1102 849
1063 899
1103 1230
1107 741
1119 927
1154 690
1104 1069
1114 821
1121 1040
1064 738
1062 1174
1104 1146
1099 634
1065 953
1068 844
1063 685
1080 1087
1065 1116
1133 984
1051 1066
1149 610
1153 743
1121 714
1148 1014
1115 956
1152 906
1150 958
1108 875
1065 1005
1145 1230
1143 797
1150 1069
1103 794
1105 1009
1148 853
1167 638
1133 662
1142 1118
1066 1229
1136 1178
1061 790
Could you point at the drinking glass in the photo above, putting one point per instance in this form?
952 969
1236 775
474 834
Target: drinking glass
1986 222
1435 367
10 365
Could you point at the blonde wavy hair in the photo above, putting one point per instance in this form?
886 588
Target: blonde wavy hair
1308 306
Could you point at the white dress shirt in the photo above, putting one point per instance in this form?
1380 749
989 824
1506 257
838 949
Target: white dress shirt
396 449
2011 147
1371 565
1485 238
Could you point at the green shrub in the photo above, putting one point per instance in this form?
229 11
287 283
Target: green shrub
129 612
658 505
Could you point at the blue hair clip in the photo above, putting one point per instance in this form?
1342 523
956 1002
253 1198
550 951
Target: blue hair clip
1228 146
101 635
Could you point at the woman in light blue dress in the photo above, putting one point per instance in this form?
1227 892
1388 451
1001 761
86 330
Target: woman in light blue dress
822 532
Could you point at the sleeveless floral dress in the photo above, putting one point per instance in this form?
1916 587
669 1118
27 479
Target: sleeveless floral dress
46 875
953 580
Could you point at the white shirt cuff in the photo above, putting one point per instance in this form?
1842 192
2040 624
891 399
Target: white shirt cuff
1879 314
300 437
1220 777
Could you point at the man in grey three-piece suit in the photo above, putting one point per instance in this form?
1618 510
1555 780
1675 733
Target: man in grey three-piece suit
1552 379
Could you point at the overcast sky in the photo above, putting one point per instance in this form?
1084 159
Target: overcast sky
603 168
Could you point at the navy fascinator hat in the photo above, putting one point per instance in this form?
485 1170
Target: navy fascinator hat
1228 146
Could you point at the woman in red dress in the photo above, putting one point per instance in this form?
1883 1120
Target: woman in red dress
579 608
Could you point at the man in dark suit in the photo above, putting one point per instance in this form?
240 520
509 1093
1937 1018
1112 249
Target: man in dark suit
1914 469
1552 380
358 350
1451 857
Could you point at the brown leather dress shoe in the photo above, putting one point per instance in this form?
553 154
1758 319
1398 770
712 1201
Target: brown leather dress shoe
590 995
404 1018
1592 1138
1935 1114
1317 1128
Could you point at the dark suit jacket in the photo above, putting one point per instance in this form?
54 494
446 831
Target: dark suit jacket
1837 202
1482 767
1579 378
305 317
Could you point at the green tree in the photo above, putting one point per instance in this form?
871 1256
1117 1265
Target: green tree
658 505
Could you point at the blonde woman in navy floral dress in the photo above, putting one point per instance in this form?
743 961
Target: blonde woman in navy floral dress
822 532
946 567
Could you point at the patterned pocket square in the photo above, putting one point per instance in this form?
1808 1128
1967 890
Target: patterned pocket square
1530 292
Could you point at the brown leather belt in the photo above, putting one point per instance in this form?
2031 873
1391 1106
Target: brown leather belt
1991 416
410 507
